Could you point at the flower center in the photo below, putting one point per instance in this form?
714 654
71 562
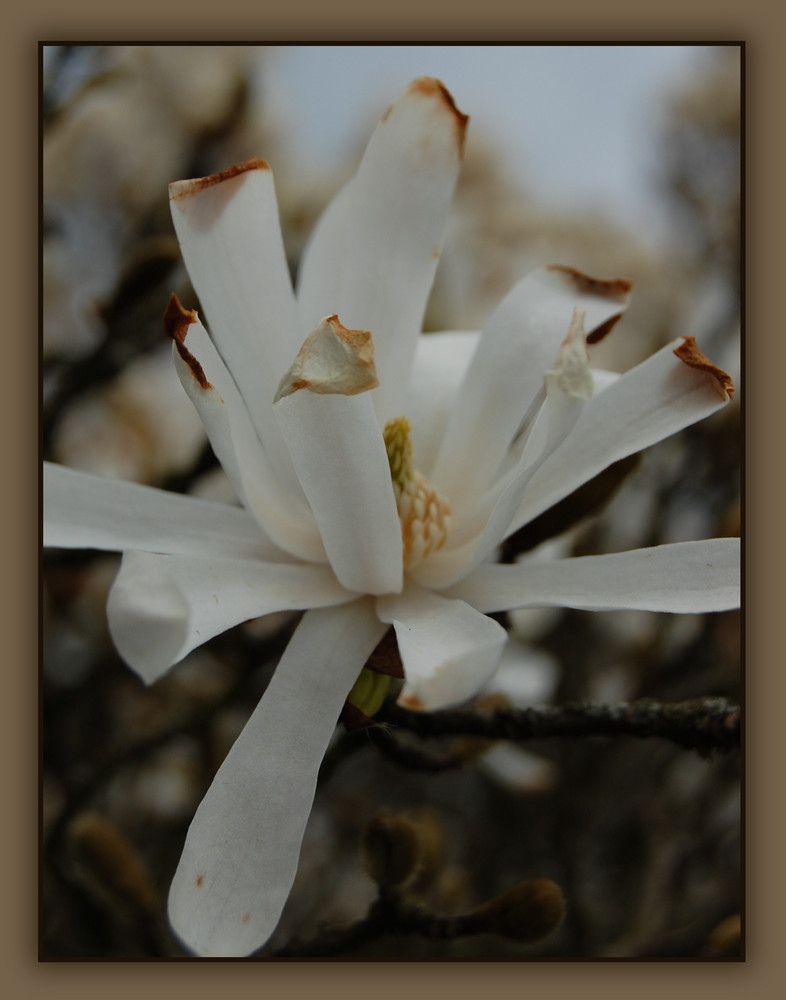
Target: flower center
424 513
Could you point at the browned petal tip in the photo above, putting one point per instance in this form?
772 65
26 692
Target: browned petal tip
691 355
332 360
429 86
356 339
181 189
177 320
617 289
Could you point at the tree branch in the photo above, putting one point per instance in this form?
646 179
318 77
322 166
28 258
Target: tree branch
704 724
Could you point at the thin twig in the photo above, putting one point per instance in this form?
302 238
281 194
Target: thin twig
704 724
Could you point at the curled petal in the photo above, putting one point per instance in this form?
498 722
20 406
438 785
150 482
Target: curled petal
229 234
332 360
449 650
242 849
684 577
234 440
161 607
83 511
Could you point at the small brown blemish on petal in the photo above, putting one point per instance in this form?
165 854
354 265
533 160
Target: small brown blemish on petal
177 320
200 881
246 917
412 702
181 189
690 354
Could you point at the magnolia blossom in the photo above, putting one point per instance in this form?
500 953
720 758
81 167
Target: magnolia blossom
378 471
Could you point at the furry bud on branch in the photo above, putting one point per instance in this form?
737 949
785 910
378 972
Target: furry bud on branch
390 850
527 912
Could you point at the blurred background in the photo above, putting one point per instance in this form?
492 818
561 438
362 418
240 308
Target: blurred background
621 161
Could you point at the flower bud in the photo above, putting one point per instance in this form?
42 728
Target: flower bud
432 844
725 939
527 912
390 850
109 866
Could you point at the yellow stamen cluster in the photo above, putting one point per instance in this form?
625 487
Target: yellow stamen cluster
424 513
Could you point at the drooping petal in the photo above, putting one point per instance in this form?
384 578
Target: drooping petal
285 518
385 233
684 577
83 511
242 848
339 454
229 234
506 373
652 401
161 606
449 650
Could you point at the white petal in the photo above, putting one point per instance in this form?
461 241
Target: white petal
506 374
476 538
242 849
449 650
386 232
161 607
650 402
339 454
686 577
319 273
83 511
229 233
441 359
285 518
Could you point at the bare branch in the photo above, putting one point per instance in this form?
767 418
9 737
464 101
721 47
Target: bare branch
704 724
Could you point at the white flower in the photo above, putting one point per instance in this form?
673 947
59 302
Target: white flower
368 507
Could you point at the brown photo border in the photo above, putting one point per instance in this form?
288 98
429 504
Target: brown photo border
754 23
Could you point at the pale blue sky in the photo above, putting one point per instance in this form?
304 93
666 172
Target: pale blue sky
578 124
